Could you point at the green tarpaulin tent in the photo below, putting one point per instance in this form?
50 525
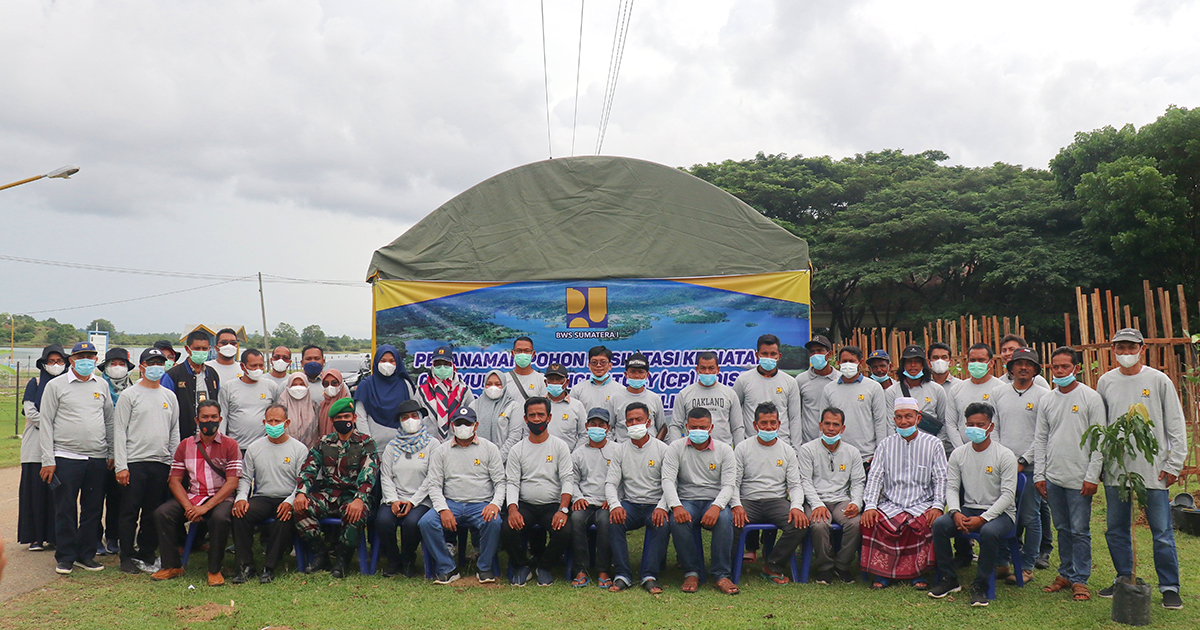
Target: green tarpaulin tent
585 218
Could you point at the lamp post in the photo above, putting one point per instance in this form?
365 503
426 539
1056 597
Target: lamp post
60 173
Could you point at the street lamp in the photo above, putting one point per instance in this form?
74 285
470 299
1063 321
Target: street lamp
61 173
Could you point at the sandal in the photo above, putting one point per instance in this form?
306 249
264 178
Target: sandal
581 580
619 585
690 584
920 583
726 585
880 582
1057 585
777 578
1080 592
652 587
604 581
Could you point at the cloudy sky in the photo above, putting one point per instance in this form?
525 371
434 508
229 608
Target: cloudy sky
294 137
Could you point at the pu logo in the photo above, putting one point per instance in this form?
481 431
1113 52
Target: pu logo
564 416
842 467
652 463
1145 394
928 400
587 307
420 455
96 395
778 390
861 397
262 396
779 462
1028 406
608 462
287 460
712 466
1074 408
985 396
988 470
165 406
549 458
477 462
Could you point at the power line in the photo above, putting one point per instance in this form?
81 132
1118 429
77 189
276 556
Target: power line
177 274
620 37
147 297
578 58
546 82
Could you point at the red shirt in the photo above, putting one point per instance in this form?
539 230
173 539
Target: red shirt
204 482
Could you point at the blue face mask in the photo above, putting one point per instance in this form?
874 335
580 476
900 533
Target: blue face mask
312 369
907 432
554 390
880 379
831 440
597 434
707 380
85 366
1064 381
636 383
767 436
917 376
155 372
818 361
599 380
767 364
975 434
698 436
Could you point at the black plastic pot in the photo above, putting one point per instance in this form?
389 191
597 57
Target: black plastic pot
1131 603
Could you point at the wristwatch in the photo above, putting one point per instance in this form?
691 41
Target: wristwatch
564 510
1022 461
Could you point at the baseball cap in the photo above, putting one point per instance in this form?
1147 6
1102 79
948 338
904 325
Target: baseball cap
879 354
83 346
637 360
1025 354
443 353
557 369
151 353
464 415
1129 334
821 340
913 352
599 413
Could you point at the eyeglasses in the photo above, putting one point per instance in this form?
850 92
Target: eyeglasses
226 343
603 363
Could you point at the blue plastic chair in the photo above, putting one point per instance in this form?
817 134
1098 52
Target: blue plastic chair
364 559
768 543
1014 545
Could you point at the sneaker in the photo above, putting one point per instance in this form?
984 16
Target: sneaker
390 570
129 566
114 547
963 561
90 564
64 568
544 577
1107 591
245 574
36 546
145 567
1026 578
101 550
1042 561
979 595
824 577
944 588
445 578
485 577
847 576
1172 600
520 576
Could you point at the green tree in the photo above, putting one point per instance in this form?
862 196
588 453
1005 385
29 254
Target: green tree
63 334
102 324
312 335
285 334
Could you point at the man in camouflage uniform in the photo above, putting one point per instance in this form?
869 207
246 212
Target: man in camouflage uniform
336 482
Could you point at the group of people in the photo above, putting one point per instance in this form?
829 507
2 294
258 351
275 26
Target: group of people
887 475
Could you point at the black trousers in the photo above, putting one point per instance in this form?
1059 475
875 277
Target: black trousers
147 490
169 517
581 522
110 526
279 533
542 516
78 528
386 524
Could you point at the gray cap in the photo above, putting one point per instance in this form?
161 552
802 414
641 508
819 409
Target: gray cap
599 413
1129 334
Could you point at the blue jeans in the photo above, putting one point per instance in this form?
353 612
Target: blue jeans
1072 514
467 515
654 551
1029 524
721 555
1120 545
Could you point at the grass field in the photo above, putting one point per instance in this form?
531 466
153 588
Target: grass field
111 599
10 440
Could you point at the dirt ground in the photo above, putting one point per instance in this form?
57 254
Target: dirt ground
26 570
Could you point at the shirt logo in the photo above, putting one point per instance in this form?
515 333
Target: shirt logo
165 406
608 462
477 462
988 470
1028 406
928 399
262 396
96 395
778 390
531 386
652 463
287 460
779 462
842 467
712 466
861 397
549 458
1074 408
564 416
1145 394
420 455
985 396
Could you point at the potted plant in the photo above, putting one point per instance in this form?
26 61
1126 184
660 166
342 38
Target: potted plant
1126 439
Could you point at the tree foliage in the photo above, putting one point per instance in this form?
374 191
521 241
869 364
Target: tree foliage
285 335
313 336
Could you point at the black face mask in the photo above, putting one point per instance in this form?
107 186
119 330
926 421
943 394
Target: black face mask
209 428
343 426
537 428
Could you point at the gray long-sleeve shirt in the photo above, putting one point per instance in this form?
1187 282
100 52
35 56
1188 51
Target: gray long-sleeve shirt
766 472
987 479
539 474
77 418
1155 390
811 385
470 474
568 422
753 388
243 407
591 395
868 418
620 402
932 399
532 384
720 401
694 475
965 392
635 474
1016 417
1061 421
145 426
831 477
591 466
272 469
403 476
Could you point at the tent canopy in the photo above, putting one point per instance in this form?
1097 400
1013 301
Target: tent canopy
589 218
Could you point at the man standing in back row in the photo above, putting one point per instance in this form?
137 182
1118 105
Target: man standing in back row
812 382
524 382
767 383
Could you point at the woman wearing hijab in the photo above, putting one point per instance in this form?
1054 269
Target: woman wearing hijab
35 520
500 416
379 395
403 469
301 410
443 393
333 388
116 368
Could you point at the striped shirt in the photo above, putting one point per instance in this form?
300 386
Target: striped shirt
907 476
204 482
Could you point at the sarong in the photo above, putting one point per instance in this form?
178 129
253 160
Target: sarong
900 547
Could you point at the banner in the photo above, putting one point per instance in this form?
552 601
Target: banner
668 320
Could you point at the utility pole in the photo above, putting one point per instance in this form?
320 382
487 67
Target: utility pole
262 302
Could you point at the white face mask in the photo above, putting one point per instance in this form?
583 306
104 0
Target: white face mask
228 351
279 365
939 366
54 369
464 431
493 392
849 370
387 369
298 391
1128 360
116 371
638 431
253 375
411 425
332 391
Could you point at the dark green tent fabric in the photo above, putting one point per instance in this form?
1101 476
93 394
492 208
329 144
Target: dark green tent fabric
589 218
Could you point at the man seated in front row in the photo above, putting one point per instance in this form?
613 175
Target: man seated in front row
906 488
985 472
591 462
635 497
336 482
833 479
767 489
698 477
212 462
